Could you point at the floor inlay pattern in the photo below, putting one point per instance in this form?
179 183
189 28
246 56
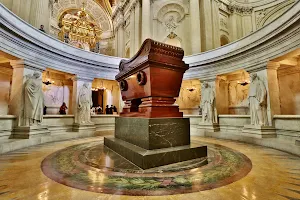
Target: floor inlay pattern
93 167
275 175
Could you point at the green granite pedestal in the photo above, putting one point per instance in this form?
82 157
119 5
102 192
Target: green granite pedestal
153 142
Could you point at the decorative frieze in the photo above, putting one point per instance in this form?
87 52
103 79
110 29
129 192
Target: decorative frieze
240 9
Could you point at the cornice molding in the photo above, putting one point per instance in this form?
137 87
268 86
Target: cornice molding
251 53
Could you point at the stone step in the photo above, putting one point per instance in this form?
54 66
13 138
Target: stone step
146 159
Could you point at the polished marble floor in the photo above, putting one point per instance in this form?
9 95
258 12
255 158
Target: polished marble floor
252 172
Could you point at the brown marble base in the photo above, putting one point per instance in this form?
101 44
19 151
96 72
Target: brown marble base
26 132
147 159
259 131
153 133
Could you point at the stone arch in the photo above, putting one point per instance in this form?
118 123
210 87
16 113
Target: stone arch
271 15
101 17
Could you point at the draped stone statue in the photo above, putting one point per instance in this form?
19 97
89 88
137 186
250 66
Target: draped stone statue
208 104
33 101
258 101
84 104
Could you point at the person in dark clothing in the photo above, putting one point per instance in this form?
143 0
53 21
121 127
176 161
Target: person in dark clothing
45 110
42 28
115 109
63 109
99 110
107 110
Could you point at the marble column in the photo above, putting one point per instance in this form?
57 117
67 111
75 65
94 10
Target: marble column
121 40
216 24
21 9
88 128
7 3
146 20
195 26
247 24
15 8
40 14
235 25
137 26
22 68
206 15
222 98
116 43
273 86
132 32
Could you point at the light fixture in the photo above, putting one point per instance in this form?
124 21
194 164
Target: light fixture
48 80
245 81
191 89
99 88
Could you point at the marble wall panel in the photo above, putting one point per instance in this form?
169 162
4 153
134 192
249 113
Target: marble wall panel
55 95
7 122
189 97
289 86
4 91
233 123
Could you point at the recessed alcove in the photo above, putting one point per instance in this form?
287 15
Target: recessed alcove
6 72
189 97
231 93
57 89
289 85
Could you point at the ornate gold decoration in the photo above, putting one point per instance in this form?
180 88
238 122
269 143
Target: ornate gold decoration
80 30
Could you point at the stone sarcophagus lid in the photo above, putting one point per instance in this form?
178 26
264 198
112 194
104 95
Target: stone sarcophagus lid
151 80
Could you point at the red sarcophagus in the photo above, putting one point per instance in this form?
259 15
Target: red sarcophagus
151 80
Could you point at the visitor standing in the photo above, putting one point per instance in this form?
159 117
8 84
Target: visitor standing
42 28
107 110
115 109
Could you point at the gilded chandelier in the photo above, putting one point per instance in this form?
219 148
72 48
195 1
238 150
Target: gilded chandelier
80 30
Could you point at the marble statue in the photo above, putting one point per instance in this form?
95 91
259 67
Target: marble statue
84 104
257 98
208 104
33 101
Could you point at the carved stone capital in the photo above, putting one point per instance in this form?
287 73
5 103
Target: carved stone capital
240 9
82 78
26 64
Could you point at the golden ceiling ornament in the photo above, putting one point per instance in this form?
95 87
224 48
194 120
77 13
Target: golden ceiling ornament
80 30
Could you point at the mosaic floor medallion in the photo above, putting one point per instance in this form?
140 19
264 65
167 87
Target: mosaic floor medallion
93 167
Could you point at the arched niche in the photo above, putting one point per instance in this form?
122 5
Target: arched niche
224 40
173 39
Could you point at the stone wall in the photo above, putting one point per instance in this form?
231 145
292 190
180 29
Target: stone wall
189 97
289 81
4 91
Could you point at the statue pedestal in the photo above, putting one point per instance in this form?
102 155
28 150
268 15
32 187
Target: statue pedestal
258 131
153 142
26 132
89 129
208 127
